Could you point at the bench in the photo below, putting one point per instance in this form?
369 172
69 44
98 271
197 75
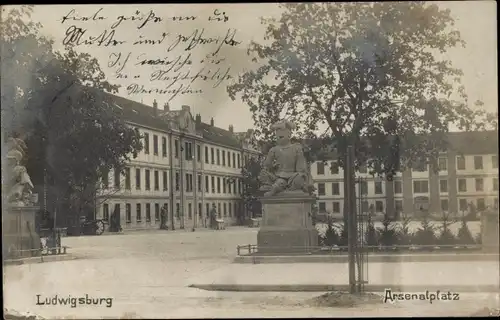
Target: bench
220 224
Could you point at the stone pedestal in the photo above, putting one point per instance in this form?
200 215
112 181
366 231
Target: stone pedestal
286 225
490 231
19 233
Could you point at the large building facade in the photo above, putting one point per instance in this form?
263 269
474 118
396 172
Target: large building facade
186 166
467 175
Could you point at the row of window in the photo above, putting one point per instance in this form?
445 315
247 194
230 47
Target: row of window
419 186
216 156
225 209
442 164
463 205
212 184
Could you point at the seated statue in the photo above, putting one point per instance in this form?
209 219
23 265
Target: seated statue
19 182
285 167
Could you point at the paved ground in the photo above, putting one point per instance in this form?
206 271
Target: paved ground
147 274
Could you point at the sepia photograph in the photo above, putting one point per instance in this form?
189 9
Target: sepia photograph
250 160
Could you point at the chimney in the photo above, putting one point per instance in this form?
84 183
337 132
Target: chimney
186 108
212 122
166 107
198 119
155 106
231 128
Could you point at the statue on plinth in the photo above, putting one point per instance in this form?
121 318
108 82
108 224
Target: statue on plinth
285 167
19 185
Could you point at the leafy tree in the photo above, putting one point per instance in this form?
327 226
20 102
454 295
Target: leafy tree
58 103
464 236
370 75
446 237
388 233
425 234
251 184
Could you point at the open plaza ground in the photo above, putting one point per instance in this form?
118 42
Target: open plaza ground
147 275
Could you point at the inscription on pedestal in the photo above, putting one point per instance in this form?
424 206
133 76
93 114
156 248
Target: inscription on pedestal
283 215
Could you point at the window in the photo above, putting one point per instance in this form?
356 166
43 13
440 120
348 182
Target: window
165 207
177 210
234 160
206 154
177 181
363 169
443 185
198 153
235 207
320 168
148 179
420 186
218 184
364 187
157 180
105 179
336 207
481 205
189 182
127 178
155 144
398 187
379 206
239 161
117 179
138 179
148 212
479 184
165 181
176 148
200 183
230 210
478 162
494 162
364 206
335 188
212 180
495 184
462 204
157 212
460 163
206 184
462 185
225 209
378 187
218 157
207 209
321 189
495 203
212 155
189 150
444 205
334 167
190 211
128 213
146 143
398 205
200 210
219 211
321 207
223 158
229 158
224 182
138 214
443 163
105 212
163 146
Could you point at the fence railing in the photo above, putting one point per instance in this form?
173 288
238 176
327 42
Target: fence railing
249 249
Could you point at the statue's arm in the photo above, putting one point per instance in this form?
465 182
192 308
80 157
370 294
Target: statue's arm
268 162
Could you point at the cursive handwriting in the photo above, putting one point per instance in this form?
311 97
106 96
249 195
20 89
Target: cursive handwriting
135 88
74 37
196 38
174 64
72 16
218 16
115 61
138 16
142 40
218 76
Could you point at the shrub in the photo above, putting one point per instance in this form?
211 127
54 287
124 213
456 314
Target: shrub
478 238
464 236
388 233
330 238
425 235
446 237
404 235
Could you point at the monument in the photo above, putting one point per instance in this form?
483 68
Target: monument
287 204
19 234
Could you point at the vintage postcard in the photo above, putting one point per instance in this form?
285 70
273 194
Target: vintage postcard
250 160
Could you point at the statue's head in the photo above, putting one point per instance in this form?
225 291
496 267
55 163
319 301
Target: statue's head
283 130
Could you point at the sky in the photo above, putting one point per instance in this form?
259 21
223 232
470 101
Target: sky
476 21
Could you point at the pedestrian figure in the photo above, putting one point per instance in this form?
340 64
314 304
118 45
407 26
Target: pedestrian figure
163 218
114 225
213 215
